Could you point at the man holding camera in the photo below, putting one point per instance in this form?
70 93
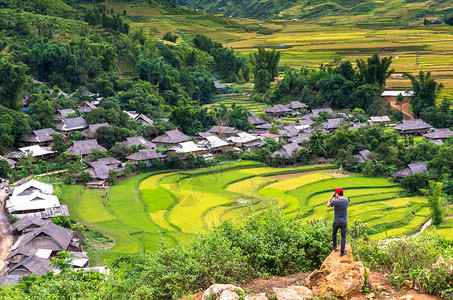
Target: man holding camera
340 221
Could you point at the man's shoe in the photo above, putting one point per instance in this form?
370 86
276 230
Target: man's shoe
343 253
335 249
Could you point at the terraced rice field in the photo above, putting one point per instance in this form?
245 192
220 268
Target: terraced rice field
146 210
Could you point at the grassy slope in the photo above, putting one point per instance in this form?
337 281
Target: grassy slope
321 9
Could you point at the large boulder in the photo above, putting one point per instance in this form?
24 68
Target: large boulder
339 276
222 292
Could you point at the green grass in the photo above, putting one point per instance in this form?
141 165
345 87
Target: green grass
91 207
143 211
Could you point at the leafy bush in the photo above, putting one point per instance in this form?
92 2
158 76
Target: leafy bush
264 245
424 259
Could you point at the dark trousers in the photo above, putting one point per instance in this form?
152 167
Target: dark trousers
344 229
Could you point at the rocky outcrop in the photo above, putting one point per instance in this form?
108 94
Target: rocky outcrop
339 276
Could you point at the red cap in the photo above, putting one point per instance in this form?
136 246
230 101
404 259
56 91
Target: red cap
338 190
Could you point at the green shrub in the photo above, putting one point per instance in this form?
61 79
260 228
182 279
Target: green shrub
412 259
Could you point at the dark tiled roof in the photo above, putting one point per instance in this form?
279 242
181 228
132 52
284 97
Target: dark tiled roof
138 140
40 135
144 119
87 107
414 168
305 122
291 131
71 124
94 127
301 137
287 150
49 236
333 123
10 162
277 108
26 221
145 154
171 137
296 105
65 112
100 168
85 147
415 124
440 133
33 264
25 251
315 113
225 129
6 280
254 120
363 155
357 125
264 126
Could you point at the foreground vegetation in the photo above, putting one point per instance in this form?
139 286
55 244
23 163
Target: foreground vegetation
264 245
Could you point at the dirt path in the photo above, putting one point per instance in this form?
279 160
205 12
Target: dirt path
406 114
6 238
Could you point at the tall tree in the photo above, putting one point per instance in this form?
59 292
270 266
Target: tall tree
375 70
426 90
265 60
12 80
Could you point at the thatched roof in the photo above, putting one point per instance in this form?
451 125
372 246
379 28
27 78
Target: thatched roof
439 134
145 155
171 137
40 136
415 124
85 147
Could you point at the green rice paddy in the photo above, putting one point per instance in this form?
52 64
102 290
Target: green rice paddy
145 210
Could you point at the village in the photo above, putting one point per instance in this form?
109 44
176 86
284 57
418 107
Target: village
36 239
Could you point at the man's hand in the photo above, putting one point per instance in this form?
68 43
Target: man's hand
330 199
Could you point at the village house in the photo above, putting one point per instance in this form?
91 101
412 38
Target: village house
297 106
288 151
330 125
91 130
412 127
86 107
64 113
31 186
100 171
85 147
246 141
132 114
11 163
32 203
32 265
223 131
262 128
138 140
392 95
277 110
170 138
300 138
202 135
42 137
438 135
221 88
71 125
255 120
214 144
357 126
144 120
378 120
413 168
26 224
60 93
145 156
315 113
364 155
184 148
36 151
275 137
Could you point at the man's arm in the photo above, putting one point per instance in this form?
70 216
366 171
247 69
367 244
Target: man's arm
330 200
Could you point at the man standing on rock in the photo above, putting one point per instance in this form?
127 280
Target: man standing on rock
340 221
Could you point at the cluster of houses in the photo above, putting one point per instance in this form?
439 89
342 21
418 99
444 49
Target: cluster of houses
209 143
36 239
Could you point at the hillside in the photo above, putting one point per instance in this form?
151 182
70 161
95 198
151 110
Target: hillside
322 9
